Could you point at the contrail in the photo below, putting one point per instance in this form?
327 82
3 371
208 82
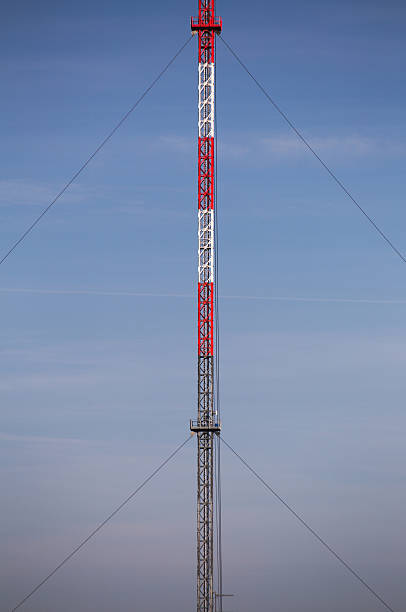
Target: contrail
269 298
335 300
95 292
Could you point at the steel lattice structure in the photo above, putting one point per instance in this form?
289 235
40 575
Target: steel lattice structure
207 25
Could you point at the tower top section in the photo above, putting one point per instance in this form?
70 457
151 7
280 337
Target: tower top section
206 19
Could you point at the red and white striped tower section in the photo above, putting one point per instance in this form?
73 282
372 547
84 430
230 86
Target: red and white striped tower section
207 25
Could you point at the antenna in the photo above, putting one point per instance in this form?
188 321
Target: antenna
207 25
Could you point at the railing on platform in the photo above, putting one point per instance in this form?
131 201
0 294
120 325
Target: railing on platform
214 23
204 426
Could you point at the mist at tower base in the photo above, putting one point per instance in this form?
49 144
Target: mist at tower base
98 335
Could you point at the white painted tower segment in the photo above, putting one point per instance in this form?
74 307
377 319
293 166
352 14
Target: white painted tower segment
206 245
206 100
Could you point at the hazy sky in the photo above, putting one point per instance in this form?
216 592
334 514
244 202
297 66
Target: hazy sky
97 388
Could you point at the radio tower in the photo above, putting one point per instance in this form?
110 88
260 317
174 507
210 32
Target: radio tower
207 25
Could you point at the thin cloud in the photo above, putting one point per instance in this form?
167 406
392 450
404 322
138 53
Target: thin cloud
23 192
95 292
7 437
137 294
174 144
284 147
355 146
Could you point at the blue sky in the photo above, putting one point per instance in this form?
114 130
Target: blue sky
98 335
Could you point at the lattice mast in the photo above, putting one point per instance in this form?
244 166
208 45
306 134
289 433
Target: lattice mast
207 25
